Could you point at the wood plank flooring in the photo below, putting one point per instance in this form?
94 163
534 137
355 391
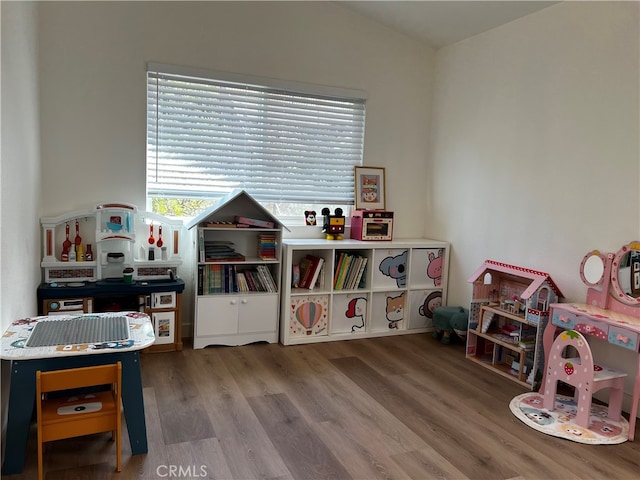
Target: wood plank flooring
404 407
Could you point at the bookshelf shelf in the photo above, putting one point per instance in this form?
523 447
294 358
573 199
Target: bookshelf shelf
238 273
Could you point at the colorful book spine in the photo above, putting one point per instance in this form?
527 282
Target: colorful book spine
317 267
267 246
337 270
341 274
305 271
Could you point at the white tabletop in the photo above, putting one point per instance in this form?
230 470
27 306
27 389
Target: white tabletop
14 339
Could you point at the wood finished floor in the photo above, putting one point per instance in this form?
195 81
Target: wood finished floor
404 407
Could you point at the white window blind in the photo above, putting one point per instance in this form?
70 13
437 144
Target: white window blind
207 137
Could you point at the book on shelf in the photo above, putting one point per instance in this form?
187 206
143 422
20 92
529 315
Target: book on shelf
349 271
200 246
265 273
361 280
254 222
344 266
352 273
200 280
295 275
257 279
312 265
242 282
305 271
527 343
250 281
218 279
220 225
339 260
267 246
358 271
317 268
219 251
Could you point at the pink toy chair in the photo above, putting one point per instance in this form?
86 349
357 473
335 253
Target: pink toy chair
583 375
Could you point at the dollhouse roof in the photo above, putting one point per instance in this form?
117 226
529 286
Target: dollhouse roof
236 203
537 278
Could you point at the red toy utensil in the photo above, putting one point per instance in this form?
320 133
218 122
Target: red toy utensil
160 242
151 239
78 239
66 245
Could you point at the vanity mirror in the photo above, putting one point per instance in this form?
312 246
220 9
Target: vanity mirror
625 275
614 279
592 268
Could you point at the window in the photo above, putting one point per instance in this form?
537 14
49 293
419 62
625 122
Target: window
289 146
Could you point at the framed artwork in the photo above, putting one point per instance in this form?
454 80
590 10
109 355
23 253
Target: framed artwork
369 188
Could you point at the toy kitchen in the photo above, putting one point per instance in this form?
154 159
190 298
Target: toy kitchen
113 257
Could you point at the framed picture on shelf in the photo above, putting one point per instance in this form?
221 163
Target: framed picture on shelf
369 188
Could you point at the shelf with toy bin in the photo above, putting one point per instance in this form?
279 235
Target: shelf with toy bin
365 289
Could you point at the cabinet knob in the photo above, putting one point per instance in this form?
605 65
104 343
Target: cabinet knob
244 301
233 302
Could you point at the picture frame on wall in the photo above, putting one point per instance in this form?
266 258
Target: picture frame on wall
369 188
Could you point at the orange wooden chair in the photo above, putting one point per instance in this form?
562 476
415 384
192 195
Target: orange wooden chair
581 373
83 414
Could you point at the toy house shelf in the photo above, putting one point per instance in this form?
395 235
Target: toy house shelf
363 289
508 313
238 273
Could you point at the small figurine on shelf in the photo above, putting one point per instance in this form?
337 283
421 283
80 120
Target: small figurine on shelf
333 225
310 217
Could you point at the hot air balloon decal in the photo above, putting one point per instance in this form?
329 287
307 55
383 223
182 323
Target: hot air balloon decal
309 316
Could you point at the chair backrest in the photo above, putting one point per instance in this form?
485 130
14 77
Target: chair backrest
79 377
56 421
572 372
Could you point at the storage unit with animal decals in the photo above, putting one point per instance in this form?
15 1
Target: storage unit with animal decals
361 289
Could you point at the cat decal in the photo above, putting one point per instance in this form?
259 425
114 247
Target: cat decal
395 310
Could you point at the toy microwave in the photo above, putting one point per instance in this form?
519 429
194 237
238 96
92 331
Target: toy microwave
371 225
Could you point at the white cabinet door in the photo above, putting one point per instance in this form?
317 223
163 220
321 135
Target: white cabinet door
258 313
217 315
164 324
163 300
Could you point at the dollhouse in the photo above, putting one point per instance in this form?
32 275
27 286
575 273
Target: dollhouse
508 312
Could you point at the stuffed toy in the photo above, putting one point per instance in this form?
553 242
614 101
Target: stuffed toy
310 217
448 320
333 225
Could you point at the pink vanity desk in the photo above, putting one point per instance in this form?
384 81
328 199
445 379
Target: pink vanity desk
612 311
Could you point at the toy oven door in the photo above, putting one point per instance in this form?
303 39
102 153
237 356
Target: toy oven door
377 229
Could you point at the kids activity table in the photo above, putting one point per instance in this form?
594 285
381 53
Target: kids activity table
59 342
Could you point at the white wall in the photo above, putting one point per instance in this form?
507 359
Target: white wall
92 64
93 58
20 196
19 171
535 145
